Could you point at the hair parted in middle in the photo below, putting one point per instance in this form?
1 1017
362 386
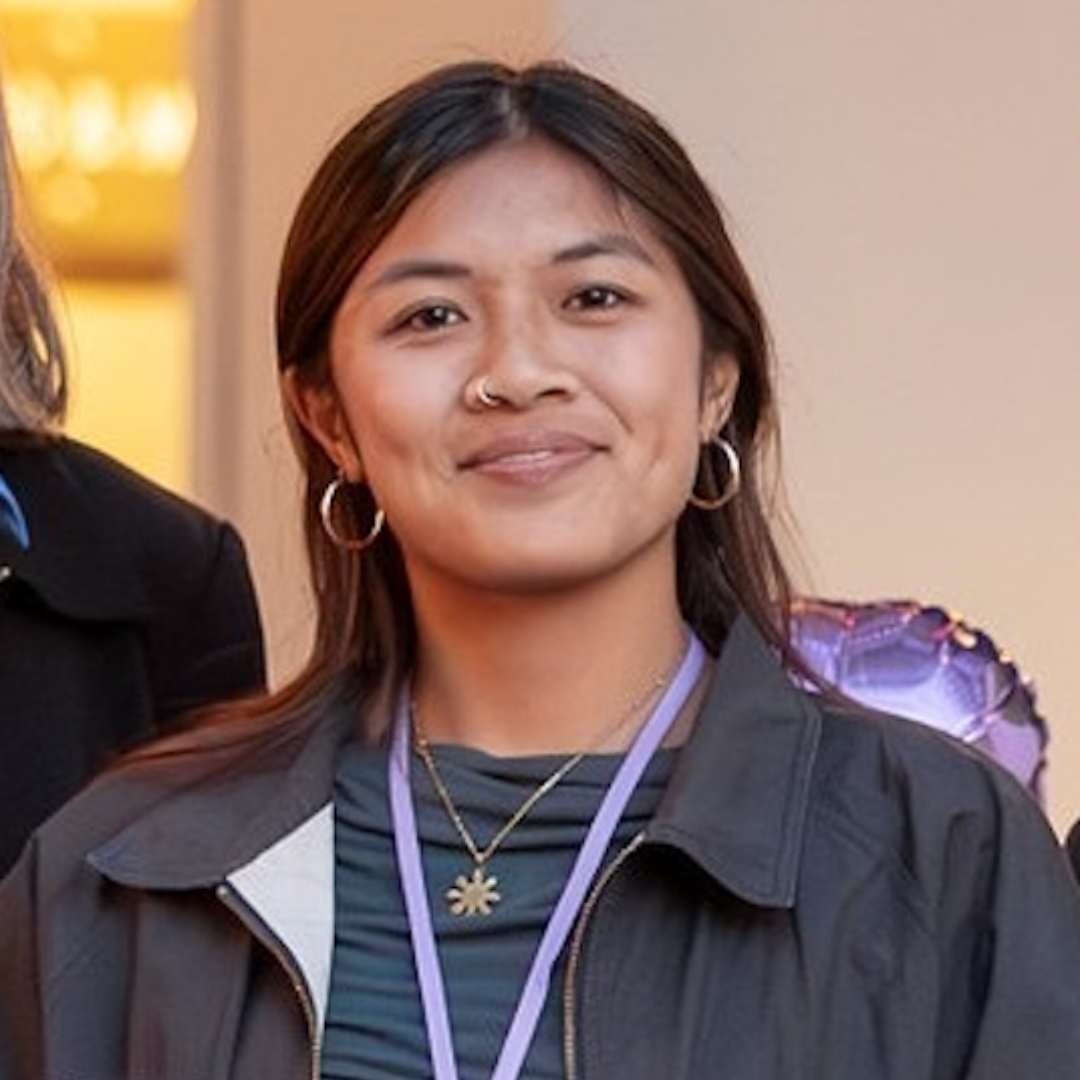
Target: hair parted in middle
728 561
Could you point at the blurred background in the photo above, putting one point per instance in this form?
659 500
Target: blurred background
102 107
903 179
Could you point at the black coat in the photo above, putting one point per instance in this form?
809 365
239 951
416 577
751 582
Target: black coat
821 895
130 606
1072 848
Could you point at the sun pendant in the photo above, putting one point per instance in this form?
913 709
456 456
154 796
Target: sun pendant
475 895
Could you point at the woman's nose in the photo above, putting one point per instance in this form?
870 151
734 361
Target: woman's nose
523 364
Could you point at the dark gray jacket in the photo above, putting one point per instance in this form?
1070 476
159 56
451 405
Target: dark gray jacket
821 896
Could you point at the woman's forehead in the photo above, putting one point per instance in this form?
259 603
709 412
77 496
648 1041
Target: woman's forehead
515 196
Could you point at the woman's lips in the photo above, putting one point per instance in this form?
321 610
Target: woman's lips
530 457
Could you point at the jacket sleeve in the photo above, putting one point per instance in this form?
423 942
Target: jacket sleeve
1027 1007
209 647
21 1051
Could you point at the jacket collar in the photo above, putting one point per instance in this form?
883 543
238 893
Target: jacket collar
213 824
280 862
737 801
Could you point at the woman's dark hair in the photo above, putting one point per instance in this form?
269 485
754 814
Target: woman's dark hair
728 560
33 372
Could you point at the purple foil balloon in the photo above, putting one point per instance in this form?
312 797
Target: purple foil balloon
922 663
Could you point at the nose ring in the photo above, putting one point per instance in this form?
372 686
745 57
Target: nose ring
484 394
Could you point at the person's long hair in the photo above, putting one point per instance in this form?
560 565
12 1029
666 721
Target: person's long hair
33 371
727 560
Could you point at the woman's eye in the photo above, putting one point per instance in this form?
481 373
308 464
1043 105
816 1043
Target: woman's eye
596 298
430 317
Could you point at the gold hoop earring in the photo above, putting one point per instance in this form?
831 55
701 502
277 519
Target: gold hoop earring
734 476
326 513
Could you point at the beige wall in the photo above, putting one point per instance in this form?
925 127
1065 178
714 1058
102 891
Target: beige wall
904 180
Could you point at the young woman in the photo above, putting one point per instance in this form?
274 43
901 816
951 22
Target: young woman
546 801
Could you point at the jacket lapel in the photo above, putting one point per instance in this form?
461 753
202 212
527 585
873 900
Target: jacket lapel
737 801
290 886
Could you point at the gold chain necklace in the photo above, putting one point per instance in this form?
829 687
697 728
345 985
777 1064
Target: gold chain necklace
478 893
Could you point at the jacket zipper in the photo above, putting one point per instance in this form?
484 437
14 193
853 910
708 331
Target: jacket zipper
573 959
266 937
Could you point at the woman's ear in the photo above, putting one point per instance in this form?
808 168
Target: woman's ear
720 383
319 411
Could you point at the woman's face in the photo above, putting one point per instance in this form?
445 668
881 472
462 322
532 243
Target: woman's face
522 265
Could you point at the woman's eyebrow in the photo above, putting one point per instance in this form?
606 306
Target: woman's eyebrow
607 244
407 269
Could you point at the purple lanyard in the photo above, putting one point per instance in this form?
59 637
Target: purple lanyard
411 872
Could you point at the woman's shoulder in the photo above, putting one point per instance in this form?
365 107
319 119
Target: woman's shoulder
883 750
116 489
190 807
108 541
892 783
85 504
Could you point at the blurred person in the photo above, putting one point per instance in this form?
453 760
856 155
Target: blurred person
546 800
122 606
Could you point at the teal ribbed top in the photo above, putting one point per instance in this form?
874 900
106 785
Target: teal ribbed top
375 1028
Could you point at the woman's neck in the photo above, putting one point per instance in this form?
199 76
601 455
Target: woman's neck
554 673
